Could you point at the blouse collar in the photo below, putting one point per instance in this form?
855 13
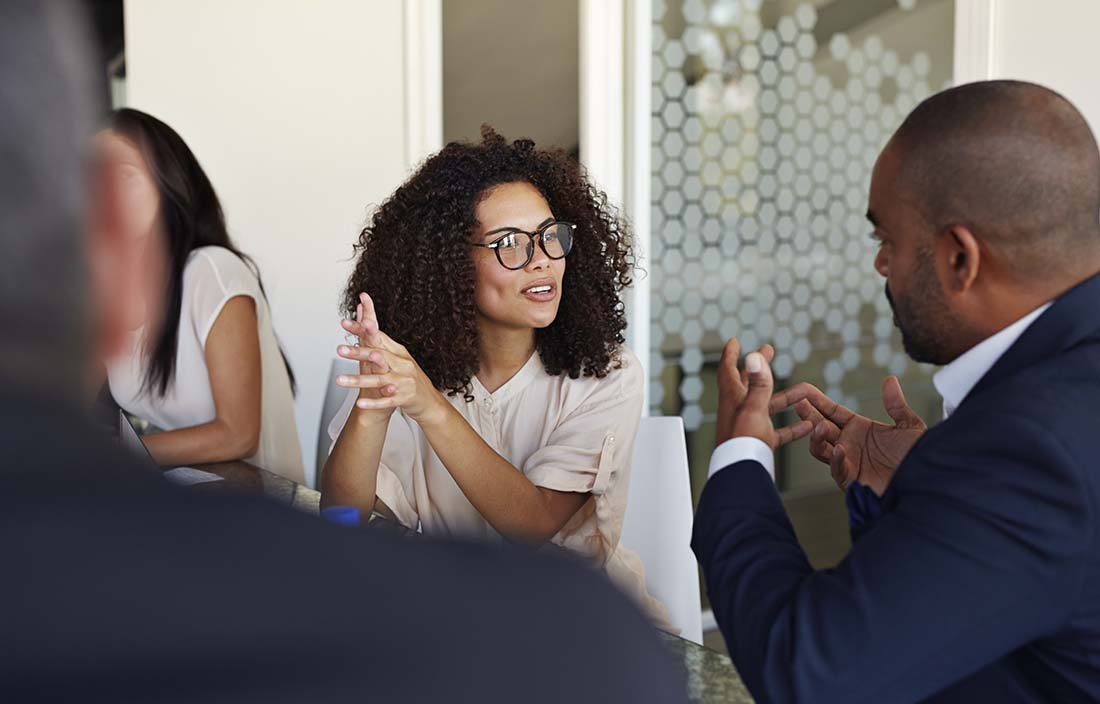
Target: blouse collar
519 381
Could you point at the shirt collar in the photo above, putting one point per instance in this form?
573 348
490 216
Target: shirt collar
517 383
955 380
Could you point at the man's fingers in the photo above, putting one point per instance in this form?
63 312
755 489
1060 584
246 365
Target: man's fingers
760 382
806 411
821 451
829 408
768 352
731 352
826 430
791 395
894 400
836 468
793 432
824 433
731 386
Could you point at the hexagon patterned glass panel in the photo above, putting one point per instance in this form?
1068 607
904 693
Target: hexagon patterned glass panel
767 117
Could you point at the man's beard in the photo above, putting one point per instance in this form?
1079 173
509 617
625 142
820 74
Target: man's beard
925 321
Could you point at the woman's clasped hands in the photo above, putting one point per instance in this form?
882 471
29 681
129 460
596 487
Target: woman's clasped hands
389 377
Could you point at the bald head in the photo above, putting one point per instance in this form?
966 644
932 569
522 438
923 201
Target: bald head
1015 163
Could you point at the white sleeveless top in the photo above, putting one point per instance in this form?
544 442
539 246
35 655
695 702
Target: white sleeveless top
574 435
211 277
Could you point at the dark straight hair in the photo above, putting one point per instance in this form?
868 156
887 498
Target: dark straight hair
191 217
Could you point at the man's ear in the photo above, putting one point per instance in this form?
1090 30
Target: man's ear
961 258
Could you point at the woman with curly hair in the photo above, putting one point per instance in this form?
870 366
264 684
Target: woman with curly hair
495 397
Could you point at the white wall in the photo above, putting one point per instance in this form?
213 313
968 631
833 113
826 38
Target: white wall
1052 42
295 110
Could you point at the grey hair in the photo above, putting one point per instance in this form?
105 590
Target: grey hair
47 112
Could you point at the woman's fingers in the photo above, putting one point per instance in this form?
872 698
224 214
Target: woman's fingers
377 404
366 354
365 381
369 320
384 384
366 332
352 326
368 306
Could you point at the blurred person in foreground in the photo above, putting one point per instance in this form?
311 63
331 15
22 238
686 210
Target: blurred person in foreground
119 586
975 575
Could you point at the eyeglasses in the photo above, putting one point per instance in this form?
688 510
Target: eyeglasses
515 248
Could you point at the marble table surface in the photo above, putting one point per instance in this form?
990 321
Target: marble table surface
711 677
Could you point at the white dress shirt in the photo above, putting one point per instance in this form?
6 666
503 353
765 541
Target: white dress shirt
955 380
953 383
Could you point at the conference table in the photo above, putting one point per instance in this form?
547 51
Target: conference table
711 677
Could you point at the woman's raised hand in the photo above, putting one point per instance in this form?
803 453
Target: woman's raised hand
365 327
389 377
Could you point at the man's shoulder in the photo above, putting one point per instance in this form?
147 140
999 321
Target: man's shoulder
1026 445
1055 398
160 565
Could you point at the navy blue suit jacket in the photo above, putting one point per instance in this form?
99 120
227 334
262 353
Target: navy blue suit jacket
119 587
979 581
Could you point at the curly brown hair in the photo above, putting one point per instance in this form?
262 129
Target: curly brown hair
415 261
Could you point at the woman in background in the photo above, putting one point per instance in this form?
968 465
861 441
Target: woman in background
495 398
205 368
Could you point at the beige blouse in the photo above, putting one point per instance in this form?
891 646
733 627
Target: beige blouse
564 434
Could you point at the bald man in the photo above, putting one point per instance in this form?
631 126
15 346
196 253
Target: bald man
976 575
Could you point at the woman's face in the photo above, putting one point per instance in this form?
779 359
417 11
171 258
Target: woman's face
134 184
524 298
134 209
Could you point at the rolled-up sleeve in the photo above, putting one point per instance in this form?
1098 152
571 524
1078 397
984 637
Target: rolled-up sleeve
587 450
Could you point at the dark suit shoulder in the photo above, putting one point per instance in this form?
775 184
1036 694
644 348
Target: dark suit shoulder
129 586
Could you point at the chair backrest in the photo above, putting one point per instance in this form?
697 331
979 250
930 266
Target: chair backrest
658 520
334 397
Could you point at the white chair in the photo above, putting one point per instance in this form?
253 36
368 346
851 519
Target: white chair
334 397
658 520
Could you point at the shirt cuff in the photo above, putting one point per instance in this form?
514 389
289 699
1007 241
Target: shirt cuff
740 449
